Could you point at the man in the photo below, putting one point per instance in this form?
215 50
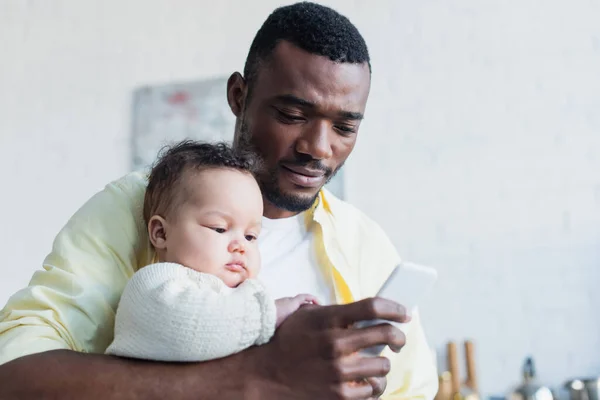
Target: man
299 105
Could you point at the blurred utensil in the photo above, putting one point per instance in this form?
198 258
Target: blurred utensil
445 387
471 381
529 389
462 391
583 389
453 368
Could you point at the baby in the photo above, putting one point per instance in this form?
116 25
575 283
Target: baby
203 210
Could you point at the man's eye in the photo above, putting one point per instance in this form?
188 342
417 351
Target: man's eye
345 130
250 238
219 230
289 118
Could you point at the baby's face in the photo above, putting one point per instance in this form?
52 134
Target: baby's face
215 229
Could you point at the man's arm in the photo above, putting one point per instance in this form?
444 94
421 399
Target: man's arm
311 356
70 375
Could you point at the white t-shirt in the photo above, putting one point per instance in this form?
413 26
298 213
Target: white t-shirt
289 266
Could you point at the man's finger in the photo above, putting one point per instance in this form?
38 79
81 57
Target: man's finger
378 384
353 340
357 368
376 308
355 391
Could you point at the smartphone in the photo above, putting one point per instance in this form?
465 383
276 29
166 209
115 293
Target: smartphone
407 285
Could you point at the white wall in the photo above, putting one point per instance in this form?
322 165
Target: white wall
479 155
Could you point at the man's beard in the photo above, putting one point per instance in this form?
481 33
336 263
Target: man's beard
268 177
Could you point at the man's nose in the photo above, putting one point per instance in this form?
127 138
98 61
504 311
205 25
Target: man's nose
315 141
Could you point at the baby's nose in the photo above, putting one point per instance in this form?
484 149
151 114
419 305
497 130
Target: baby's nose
236 246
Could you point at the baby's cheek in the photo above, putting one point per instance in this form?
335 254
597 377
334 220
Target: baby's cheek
255 261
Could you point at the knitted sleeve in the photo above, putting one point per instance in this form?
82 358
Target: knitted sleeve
172 313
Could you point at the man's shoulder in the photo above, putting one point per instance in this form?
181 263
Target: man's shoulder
108 228
124 193
130 185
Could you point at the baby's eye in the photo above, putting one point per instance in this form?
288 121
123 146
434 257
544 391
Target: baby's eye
219 230
250 238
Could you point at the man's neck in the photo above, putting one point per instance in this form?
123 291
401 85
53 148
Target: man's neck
273 212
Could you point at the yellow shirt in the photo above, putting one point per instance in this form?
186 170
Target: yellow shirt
71 303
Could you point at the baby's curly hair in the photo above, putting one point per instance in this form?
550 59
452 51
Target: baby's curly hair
164 190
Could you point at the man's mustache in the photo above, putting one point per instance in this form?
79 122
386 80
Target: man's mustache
313 164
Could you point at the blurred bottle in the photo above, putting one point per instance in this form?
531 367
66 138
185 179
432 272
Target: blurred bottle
468 389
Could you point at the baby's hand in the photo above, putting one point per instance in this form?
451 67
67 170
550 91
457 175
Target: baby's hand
288 305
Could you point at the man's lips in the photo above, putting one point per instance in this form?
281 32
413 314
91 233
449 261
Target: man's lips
305 171
303 176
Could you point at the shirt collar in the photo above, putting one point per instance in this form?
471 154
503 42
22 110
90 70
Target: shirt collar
320 209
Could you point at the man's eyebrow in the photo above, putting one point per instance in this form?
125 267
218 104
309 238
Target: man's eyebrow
298 101
351 115
294 100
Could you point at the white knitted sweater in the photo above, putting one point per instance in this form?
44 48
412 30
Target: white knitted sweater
169 312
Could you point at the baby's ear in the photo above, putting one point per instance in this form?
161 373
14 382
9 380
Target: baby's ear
157 232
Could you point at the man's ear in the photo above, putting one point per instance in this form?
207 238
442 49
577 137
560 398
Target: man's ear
157 231
236 93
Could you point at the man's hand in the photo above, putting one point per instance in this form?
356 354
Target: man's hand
315 355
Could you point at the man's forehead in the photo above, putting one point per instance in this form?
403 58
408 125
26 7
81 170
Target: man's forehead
291 70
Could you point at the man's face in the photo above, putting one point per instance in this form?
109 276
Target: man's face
302 118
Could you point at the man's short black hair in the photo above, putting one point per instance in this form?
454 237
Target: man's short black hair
312 27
